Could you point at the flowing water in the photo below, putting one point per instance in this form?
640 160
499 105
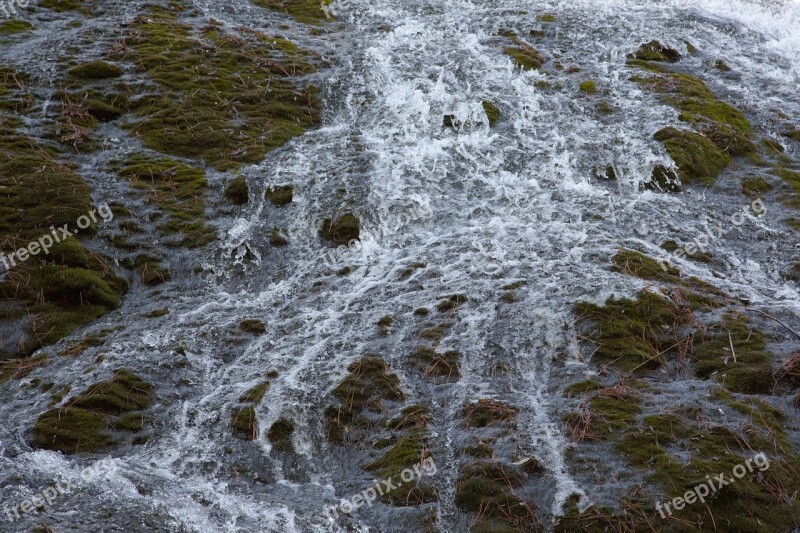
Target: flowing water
481 207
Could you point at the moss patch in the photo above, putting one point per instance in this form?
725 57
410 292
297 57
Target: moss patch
487 489
237 192
177 190
340 231
523 54
305 11
12 27
655 51
254 326
365 389
82 424
588 87
280 435
96 70
409 451
492 112
755 186
226 98
279 195
697 158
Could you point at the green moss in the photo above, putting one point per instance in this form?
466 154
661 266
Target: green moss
718 121
82 424
655 51
523 54
280 435
635 334
365 389
492 112
177 190
697 158
150 270
489 412
589 87
792 179
156 313
253 326
755 186
413 416
487 489
19 368
279 195
61 5
582 387
735 353
243 423
305 11
637 264
409 451
341 230
255 394
96 70
237 191
437 366
12 27
225 98
546 17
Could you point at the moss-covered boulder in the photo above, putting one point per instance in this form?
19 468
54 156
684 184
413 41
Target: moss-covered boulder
342 230
237 192
96 70
655 51
698 159
85 423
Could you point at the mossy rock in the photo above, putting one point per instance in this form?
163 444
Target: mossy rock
364 391
151 270
635 334
438 366
82 424
177 191
237 191
96 70
209 100
492 112
409 451
342 230
637 264
735 353
487 489
102 111
664 179
413 416
254 326
157 313
13 27
698 159
61 5
489 412
755 186
588 87
523 54
280 435
244 424
655 51
305 11
19 368
279 195
255 394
